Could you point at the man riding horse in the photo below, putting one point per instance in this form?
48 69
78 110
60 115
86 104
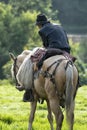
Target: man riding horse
55 41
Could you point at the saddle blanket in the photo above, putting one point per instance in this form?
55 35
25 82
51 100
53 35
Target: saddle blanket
38 54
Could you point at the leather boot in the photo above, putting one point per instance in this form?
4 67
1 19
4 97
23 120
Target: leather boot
28 96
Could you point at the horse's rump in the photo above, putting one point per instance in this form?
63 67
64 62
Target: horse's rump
65 71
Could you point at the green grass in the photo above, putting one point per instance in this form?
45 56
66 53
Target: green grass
14 113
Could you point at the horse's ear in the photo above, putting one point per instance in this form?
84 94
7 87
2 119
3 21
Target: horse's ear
12 56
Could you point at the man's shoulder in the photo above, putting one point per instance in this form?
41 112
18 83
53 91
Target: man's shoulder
45 28
57 25
49 28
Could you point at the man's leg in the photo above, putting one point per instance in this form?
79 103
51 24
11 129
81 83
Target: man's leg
40 63
50 52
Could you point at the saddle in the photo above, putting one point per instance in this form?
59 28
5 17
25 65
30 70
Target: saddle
42 54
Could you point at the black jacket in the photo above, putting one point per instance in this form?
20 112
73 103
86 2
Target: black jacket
53 36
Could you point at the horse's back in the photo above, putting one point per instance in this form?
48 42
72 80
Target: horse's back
59 65
52 59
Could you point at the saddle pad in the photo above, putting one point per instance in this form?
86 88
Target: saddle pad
38 55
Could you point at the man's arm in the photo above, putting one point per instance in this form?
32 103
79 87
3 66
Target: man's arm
44 40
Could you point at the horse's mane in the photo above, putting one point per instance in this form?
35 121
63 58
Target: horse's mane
25 72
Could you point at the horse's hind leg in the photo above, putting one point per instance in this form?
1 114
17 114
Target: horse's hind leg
54 103
32 113
50 117
58 114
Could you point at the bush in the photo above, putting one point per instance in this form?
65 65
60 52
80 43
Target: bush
79 51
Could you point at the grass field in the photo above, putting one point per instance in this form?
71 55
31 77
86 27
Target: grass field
14 113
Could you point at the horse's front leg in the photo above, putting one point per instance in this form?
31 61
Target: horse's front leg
32 113
50 116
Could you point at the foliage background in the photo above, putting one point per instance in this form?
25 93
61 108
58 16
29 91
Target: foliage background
18 30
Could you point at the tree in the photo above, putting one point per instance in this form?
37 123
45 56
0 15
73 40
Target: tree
79 51
72 14
5 1
31 5
14 32
22 29
17 26
83 50
5 19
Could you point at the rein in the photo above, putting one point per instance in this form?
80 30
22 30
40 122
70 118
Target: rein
14 69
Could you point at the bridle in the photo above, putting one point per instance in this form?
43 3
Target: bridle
14 70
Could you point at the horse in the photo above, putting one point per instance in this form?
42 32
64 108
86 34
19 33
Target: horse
56 83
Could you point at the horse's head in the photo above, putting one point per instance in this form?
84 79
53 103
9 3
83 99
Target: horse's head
17 61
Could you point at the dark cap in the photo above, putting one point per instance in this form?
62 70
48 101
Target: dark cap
41 19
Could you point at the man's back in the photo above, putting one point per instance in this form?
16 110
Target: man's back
53 36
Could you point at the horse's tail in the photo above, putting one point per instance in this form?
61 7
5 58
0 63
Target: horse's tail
69 103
